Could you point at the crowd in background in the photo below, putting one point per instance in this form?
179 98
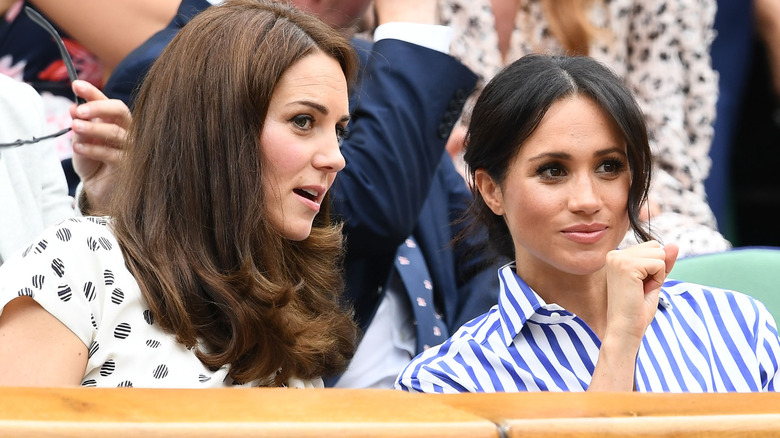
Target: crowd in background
155 231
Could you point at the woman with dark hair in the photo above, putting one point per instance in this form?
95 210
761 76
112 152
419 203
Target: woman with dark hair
218 265
560 164
661 51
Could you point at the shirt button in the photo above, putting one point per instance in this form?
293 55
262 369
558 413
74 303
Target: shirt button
555 316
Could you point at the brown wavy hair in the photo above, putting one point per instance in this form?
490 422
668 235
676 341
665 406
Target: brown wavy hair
191 216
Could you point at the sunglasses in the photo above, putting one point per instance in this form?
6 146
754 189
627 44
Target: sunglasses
40 21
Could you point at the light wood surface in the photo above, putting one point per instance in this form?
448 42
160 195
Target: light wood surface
242 412
232 412
625 414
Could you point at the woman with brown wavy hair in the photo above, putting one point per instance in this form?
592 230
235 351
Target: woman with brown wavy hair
218 265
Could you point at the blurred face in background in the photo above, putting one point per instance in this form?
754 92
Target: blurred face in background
339 14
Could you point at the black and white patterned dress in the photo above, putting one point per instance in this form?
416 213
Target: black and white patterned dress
75 270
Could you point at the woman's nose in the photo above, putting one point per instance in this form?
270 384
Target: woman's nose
329 157
584 196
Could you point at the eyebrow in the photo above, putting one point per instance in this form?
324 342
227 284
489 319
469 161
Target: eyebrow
319 107
565 156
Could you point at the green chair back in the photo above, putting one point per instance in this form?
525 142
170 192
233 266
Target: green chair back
754 271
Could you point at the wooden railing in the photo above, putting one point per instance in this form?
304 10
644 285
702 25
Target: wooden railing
239 412
625 414
231 412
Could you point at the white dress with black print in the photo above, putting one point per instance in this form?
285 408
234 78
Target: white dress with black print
76 272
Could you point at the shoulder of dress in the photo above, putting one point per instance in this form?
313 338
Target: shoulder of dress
76 234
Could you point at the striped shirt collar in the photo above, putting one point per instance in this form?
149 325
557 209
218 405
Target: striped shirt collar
518 303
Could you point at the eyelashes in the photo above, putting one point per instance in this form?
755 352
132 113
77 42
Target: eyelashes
550 171
555 170
341 134
612 165
304 122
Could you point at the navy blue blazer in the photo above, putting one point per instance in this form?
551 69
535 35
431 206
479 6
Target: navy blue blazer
398 180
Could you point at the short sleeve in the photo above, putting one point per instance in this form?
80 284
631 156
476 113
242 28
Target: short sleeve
66 270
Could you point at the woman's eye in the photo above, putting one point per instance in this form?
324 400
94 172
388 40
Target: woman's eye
551 171
302 122
611 166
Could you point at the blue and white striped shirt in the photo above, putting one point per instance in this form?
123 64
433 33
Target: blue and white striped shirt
702 339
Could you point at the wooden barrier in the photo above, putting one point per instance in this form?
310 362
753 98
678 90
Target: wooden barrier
231 412
625 414
241 412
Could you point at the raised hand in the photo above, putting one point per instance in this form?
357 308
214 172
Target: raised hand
634 279
100 127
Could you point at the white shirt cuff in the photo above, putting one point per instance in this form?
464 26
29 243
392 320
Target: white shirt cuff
432 36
